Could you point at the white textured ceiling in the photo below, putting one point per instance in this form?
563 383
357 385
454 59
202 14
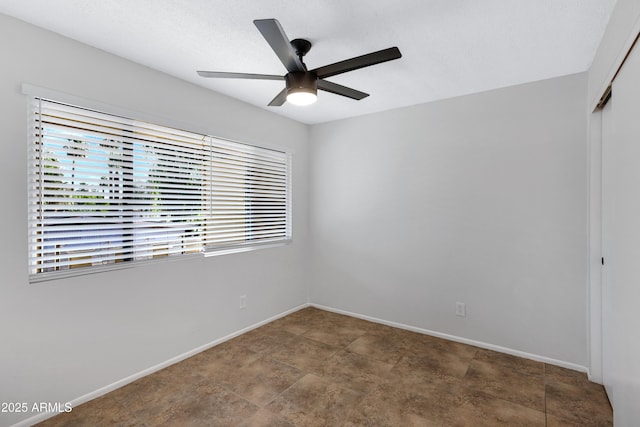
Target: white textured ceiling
449 47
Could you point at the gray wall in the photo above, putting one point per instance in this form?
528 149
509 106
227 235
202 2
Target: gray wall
63 339
479 199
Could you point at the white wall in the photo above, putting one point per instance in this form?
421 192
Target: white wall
479 199
63 339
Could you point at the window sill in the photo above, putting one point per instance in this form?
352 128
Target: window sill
238 249
56 275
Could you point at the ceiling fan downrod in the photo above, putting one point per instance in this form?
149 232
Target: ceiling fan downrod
302 47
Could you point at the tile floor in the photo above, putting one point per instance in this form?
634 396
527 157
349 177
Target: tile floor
316 368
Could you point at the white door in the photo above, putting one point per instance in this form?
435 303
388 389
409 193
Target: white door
621 243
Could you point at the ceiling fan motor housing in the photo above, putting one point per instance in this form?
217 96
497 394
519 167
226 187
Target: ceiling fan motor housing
301 81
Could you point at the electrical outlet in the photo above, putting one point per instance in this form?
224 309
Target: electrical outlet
461 309
243 301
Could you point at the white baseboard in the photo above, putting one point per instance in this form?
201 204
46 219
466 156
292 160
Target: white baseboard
121 383
480 344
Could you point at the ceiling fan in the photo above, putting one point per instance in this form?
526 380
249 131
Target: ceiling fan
302 84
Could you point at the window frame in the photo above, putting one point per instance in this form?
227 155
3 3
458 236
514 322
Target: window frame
34 92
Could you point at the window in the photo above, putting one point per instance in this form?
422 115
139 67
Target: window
108 191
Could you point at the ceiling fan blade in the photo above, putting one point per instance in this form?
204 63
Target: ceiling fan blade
277 39
341 90
224 75
358 62
279 99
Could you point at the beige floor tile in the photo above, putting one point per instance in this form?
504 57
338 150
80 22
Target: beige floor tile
213 363
156 392
299 322
314 401
264 418
506 383
355 371
333 333
207 404
264 340
395 404
432 366
295 327
474 408
585 404
553 421
383 348
260 381
304 353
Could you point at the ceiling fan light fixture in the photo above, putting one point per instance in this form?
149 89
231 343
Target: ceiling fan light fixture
301 97
302 88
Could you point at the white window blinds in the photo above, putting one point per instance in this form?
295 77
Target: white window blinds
106 190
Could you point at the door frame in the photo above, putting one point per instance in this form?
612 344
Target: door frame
594 292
